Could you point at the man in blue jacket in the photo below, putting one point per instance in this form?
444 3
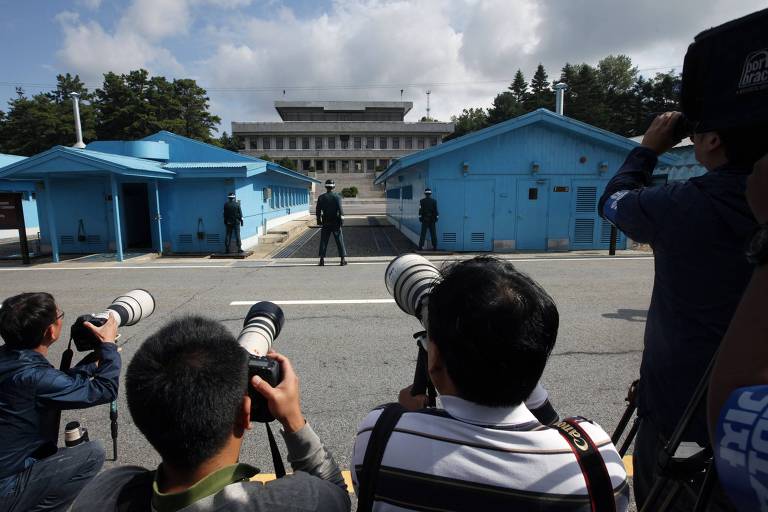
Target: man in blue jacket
34 473
698 231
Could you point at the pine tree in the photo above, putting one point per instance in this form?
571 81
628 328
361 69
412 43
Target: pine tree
519 87
541 95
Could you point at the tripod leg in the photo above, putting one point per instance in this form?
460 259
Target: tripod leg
705 493
630 438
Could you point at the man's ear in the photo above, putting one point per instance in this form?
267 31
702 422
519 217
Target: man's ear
713 141
244 418
435 360
48 335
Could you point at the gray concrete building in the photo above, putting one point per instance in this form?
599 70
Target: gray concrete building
349 141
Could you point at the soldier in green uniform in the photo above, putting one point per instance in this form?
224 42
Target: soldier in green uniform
330 217
233 219
428 217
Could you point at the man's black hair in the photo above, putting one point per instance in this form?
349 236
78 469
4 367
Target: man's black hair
24 319
745 146
495 328
185 387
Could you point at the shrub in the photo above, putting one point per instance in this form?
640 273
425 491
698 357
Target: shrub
349 192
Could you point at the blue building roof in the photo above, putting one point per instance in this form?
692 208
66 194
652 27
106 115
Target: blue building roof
163 155
6 159
537 116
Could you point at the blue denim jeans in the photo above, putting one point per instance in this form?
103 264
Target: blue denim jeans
52 483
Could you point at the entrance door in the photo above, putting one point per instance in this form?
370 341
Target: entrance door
450 205
138 234
532 199
478 215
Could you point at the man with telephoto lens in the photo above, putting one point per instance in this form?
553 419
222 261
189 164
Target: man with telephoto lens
34 473
698 231
490 331
187 393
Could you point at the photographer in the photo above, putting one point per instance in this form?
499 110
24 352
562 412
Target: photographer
186 390
490 331
739 383
34 474
698 231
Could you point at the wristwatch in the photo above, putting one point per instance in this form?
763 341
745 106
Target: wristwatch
757 250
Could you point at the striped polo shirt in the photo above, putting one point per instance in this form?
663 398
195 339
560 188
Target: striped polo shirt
472 457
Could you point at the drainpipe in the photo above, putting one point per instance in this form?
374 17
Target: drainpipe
78 130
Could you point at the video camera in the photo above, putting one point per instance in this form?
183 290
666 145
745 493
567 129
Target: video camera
127 309
725 76
262 325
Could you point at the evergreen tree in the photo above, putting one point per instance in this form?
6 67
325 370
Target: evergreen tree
541 95
519 87
470 120
232 143
505 106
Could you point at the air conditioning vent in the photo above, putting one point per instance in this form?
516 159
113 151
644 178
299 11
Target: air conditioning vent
478 238
585 231
185 239
67 239
605 232
586 199
93 240
214 238
449 238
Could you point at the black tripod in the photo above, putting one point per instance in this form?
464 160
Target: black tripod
670 470
422 385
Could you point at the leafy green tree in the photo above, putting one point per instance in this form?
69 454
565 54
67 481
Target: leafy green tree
231 143
35 124
519 87
616 73
287 163
505 107
470 120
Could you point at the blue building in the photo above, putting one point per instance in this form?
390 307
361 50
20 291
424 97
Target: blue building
25 188
530 183
163 193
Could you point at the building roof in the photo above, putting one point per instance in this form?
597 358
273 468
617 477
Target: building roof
405 106
537 116
6 159
62 160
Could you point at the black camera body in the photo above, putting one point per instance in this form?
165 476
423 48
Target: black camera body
83 337
725 75
269 371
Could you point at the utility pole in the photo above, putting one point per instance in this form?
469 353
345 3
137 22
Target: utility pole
428 93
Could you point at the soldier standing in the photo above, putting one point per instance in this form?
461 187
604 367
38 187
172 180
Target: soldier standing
428 217
330 217
233 219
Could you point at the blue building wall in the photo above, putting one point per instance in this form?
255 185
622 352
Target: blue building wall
500 204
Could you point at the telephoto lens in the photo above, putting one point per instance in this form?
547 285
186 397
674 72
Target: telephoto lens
128 309
262 325
409 279
74 434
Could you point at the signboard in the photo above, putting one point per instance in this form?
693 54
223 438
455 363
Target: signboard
11 216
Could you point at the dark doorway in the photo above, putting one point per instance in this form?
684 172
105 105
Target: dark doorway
138 234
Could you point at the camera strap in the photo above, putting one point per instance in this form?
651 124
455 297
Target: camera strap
277 460
374 453
599 487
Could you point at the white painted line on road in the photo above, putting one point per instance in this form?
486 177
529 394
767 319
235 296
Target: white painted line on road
315 302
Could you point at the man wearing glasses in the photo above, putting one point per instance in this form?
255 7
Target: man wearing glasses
34 473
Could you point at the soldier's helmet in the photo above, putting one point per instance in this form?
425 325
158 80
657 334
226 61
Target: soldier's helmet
427 191
330 184
231 195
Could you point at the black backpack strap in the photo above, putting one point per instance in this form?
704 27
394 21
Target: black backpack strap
374 453
592 465
136 494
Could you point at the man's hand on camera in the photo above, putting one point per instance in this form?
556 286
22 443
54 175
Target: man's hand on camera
106 333
757 190
283 400
411 402
660 136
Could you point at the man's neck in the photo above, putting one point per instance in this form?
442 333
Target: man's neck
172 479
42 350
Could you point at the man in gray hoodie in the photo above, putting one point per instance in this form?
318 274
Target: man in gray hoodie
186 390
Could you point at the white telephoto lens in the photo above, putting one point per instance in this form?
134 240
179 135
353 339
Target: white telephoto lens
133 306
257 336
409 278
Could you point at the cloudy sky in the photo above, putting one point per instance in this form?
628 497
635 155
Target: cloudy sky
247 52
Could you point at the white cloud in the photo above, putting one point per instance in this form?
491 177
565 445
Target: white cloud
370 49
90 4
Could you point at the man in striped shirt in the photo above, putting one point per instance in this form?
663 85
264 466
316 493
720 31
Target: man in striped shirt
490 330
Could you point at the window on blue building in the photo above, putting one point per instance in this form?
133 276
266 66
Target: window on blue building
408 192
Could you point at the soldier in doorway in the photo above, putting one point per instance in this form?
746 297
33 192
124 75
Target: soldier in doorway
233 219
330 217
428 217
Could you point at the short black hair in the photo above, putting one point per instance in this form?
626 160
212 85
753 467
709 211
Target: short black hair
185 386
745 146
495 328
25 317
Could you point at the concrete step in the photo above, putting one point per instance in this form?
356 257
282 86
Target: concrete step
272 239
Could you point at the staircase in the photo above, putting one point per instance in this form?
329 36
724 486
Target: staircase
364 183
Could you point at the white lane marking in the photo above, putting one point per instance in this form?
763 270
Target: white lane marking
314 302
277 264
